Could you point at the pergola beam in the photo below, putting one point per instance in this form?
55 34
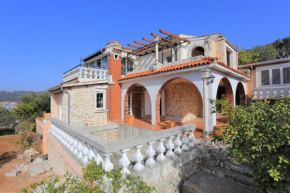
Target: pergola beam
162 38
148 40
175 36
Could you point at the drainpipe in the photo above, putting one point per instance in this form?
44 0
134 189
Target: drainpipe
68 104
252 80
109 84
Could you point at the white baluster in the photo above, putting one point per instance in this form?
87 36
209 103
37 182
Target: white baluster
72 140
282 93
107 165
150 153
177 144
268 94
62 136
184 140
255 94
274 94
160 149
191 138
65 139
169 147
261 94
138 157
80 150
75 152
85 154
124 162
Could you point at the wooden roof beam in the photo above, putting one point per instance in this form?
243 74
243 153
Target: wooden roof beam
175 36
141 43
131 45
148 40
154 35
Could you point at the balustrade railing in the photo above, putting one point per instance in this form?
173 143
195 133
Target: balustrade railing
85 73
85 146
271 92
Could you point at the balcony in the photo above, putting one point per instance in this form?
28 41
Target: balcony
82 74
271 92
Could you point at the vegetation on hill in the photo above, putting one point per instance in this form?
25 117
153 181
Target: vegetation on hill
33 105
12 96
276 50
260 137
6 118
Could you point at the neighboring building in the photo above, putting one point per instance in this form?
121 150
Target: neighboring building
269 80
168 78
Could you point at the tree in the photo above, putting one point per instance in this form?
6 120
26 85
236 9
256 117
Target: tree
93 181
6 118
33 105
260 137
248 57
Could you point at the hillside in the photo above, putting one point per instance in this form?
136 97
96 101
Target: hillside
12 96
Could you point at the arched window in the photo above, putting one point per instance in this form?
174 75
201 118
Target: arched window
127 66
197 52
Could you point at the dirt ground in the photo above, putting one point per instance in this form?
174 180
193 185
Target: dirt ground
8 161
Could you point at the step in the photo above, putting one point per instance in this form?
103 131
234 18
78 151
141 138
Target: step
240 168
203 182
230 175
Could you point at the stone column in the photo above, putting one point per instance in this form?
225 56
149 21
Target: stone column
204 77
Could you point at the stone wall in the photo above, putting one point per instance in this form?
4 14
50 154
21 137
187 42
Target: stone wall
182 102
59 165
220 50
109 135
54 101
82 107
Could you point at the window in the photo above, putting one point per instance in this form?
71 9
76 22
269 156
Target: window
276 76
99 63
198 51
265 77
101 100
169 59
129 104
228 58
116 56
286 75
127 66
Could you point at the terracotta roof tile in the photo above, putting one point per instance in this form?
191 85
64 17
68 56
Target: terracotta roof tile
206 60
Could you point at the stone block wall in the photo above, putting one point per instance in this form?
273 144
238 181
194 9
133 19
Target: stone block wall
220 50
182 102
109 135
54 102
82 107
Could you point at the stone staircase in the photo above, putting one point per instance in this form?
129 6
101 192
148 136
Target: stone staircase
223 176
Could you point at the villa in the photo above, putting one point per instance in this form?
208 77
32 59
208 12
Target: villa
115 107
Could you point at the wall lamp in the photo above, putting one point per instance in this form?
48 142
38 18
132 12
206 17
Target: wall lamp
210 79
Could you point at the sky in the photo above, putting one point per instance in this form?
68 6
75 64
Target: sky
39 40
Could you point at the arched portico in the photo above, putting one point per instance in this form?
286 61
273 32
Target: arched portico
137 102
240 94
178 100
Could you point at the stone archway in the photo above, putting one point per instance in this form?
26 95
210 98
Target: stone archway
240 95
183 101
137 102
225 90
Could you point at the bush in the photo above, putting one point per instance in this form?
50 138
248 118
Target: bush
93 181
6 118
33 105
24 127
260 137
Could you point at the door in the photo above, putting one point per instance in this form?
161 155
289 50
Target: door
136 104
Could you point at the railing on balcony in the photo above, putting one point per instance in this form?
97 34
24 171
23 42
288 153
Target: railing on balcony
85 146
271 92
84 74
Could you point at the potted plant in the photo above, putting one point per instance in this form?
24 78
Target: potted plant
169 124
129 119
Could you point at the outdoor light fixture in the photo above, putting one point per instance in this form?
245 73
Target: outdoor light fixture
210 79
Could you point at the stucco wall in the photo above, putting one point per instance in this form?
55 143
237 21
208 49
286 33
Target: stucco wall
82 107
182 102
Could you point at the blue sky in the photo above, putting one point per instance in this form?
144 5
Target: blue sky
39 40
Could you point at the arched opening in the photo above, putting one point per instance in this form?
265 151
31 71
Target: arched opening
138 103
240 95
198 51
127 66
224 91
178 100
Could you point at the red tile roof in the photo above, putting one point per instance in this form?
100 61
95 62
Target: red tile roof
206 60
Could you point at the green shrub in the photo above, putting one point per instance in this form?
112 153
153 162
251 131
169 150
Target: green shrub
260 137
24 127
93 182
